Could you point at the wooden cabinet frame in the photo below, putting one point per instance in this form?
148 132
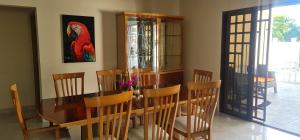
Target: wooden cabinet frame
122 37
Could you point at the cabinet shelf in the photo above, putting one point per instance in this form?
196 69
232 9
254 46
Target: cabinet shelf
171 55
173 35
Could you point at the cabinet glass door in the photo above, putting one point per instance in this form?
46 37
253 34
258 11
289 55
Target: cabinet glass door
170 45
142 40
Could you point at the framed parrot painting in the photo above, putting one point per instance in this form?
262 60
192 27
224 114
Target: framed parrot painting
78 39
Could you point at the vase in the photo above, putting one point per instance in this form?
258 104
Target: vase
136 92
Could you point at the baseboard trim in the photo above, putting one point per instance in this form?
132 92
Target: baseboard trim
12 110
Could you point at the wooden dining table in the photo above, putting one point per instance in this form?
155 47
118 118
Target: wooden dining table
70 111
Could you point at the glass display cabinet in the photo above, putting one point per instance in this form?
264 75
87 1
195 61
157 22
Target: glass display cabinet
170 45
149 40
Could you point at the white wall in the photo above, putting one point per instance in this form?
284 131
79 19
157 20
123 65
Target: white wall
16 56
202 32
50 37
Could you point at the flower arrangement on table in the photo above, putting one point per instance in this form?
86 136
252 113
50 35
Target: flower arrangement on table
131 84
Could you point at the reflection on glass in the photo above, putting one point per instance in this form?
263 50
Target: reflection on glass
247 38
238 48
247 27
141 42
248 17
239 38
232 28
232 19
170 45
240 18
240 27
231 49
232 38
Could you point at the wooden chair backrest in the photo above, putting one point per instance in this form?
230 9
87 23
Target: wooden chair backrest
146 77
202 103
162 111
202 76
110 110
16 101
108 79
69 84
139 70
148 80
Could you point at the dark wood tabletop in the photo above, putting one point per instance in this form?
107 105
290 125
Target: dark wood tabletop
70 111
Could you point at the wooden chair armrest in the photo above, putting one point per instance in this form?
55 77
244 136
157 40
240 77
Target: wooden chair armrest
43 129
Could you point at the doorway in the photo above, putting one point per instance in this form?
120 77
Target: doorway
239 28
284 93
19 56
268 90
245 47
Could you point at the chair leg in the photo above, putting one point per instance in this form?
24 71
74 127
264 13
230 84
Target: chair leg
133 122
275 86
141 120
57 134
208 135
26 137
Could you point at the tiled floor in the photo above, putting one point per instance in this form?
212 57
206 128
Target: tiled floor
225 128
284 110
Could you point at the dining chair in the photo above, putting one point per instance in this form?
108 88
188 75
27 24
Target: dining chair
160 107
202 76
22 121
263 73
108 79
112 110
139 70
146 78
202 102
69 83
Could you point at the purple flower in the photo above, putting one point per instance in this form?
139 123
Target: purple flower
129 83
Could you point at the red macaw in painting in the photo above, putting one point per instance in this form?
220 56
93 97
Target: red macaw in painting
81 46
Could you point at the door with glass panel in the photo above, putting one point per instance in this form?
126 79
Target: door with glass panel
245 48
238 52
141 42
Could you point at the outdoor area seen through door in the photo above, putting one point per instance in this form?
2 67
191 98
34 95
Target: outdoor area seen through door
283 94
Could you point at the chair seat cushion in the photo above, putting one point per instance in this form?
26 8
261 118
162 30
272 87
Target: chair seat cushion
181 124
137 133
